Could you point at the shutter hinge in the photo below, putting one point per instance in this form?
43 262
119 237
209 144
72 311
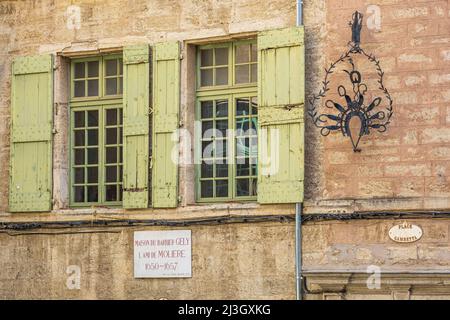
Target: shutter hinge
54 131
181 56
180 199
150 162
181 124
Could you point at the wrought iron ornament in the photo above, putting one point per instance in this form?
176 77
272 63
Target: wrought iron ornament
353 105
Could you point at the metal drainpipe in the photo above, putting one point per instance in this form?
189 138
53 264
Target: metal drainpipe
298 206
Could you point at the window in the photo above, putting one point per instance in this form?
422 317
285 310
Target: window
96 131
227 113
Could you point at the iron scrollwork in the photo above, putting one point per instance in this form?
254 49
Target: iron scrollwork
355 105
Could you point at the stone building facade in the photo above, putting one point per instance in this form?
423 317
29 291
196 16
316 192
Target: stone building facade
245 249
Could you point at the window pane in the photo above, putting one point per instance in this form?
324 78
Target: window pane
254 52
120 173
79 138
79 70
221 188
242 74
254 105
79 89
92 194
92 88
243 167
111 174
221 127
242 126
221 56
207 109
78 194
111 67
111 155
206 77
254 186
207 170
207 149
206 129
221 148
111 136
254 73
206 57
120 88
93 69
111 86
242 108
207 189
111 117
221 76
93 156
221 170
243 53
92 174
120 66
93 118
79 156
111 193
93 137
79 119
242 187
79 175
222 108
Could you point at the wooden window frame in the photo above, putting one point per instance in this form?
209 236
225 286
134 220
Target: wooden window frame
101 103
230 92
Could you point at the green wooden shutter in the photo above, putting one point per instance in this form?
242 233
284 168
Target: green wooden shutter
166 88
136 111
30 187
281 96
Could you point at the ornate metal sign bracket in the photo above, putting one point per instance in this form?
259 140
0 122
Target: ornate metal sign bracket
352 114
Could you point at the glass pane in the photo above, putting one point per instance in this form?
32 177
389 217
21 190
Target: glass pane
79 175
206 57
254 73
242 187
79 138
254 165
120 66
92 194
79 119
79 156
111 86
79 89
93 118
93 137
221 127
221 170
221 76
221 188
253 147
207 109
120 88
79 70
242 147
254 186
254 105
243 167
206 77
111 174
111 136
92 156
78 194
120 155
242 126
92 88
207 149
92 174
221 148
111 193
242 107
221 56
120 135
93 69
207 170
120 193
111 117
243 53
207 189
111 155
111 67
254 57
242 74
120 173
120 116
206 129
222 108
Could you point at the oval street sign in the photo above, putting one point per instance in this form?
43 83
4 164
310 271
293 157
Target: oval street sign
405 233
